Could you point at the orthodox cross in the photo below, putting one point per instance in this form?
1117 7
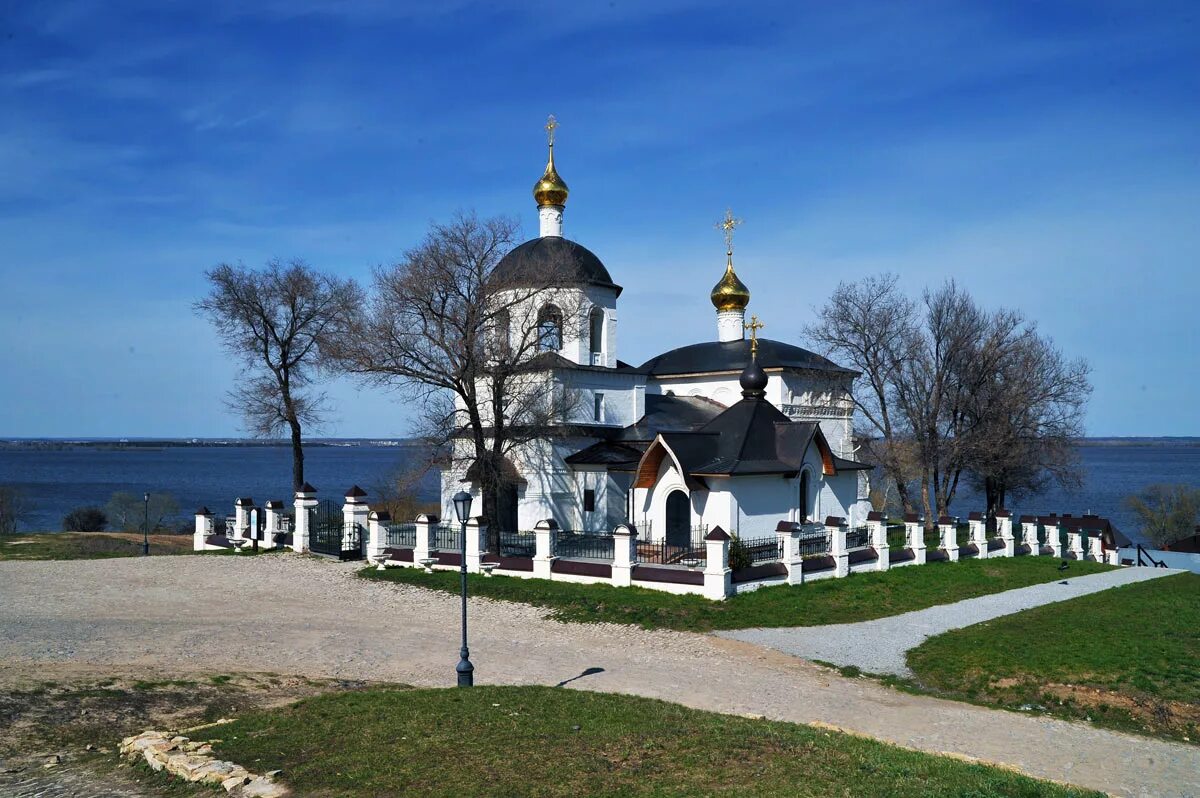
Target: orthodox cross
551 124
754 326
726 226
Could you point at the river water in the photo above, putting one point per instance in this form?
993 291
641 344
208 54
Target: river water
56 480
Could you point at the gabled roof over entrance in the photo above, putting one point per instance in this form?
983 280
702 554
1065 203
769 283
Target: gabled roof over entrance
751 437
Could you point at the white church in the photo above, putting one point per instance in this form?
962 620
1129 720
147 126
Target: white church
740 432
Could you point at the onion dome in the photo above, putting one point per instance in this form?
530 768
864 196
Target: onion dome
730 293
551 189
753 380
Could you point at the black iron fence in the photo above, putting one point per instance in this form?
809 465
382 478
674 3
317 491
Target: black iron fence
752 551
664 553
518 544
446 537
858 538
815 545
583 545
400 536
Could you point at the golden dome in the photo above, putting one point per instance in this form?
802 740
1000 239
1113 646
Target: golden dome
551 189
730 293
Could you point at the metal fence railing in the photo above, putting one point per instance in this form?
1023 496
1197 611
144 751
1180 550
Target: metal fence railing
815 545
756 550
858 538
583 545
663 553
400 536
518 544
446 538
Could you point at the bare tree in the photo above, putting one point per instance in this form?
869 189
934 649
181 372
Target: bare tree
870 326
952 389
278 321
474 349
1027 413
1168 513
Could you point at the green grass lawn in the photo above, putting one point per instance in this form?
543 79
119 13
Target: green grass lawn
858 597
88 546
1128 658
543 741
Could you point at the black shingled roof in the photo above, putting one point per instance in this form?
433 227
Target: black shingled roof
751 437
577 263
734 356
670 413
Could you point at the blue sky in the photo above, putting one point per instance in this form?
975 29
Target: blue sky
1043 154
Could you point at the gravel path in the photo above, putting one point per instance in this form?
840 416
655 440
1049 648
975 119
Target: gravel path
879 646
299 615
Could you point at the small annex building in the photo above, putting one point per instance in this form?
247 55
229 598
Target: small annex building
740 432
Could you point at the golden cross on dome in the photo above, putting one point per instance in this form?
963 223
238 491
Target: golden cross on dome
727 226
551 124
754 326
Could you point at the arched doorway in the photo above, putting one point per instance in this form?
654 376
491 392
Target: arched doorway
679 519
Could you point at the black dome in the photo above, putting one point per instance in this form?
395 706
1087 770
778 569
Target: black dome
753 381
734 356
574 262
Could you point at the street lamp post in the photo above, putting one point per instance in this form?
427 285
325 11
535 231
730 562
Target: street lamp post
466 671
146 525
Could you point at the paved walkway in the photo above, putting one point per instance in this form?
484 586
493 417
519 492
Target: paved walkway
879 646
296 615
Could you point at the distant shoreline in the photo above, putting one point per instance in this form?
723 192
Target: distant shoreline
173 443
164 443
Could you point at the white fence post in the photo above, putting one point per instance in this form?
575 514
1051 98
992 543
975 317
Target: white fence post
1097 548
543 559
425 524
949 529
978 530
1029 531
377 533
241 518
914 531
1053 540
718 580
1004 527
877 525
624 555
306 501
204 525
274 515
1075 544
789 543
354 511
837 529
476 544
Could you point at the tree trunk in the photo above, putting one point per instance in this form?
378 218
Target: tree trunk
297 456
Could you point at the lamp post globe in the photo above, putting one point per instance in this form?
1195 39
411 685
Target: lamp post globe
465 670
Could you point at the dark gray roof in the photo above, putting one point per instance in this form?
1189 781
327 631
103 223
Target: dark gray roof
717 356
607 453
750 437
842 464
572 262
666 413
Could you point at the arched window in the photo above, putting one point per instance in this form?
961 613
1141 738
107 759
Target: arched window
804 489
549 325
500 333
596 328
